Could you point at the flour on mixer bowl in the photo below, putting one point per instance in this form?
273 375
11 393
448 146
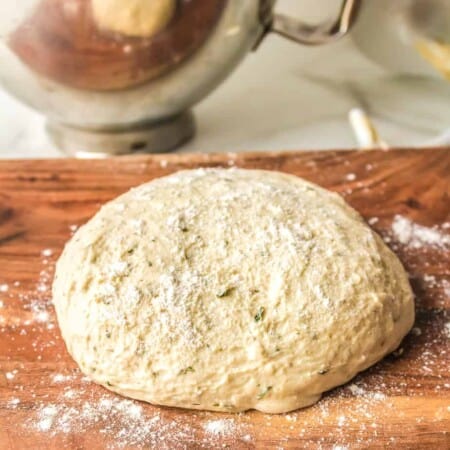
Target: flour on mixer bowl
229 290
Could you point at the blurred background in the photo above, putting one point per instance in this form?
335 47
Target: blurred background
286 96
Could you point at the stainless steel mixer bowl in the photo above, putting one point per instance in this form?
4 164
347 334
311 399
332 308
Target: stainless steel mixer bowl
152 114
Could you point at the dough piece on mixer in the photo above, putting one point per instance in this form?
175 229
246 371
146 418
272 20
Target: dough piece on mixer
229 290
139 18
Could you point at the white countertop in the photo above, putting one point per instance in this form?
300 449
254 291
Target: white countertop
283 96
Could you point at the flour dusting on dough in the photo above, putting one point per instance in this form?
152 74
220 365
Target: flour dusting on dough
209 288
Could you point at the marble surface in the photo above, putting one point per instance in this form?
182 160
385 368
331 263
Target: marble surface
282 97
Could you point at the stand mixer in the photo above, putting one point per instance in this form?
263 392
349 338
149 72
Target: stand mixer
110 82
117 76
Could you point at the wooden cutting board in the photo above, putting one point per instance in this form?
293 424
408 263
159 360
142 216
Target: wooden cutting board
45 403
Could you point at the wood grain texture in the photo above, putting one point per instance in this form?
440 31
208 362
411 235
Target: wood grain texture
402 402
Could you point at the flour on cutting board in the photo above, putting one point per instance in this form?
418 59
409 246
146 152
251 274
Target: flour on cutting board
125 422
73 406
414 235
36 303
447 330
407 236
221 427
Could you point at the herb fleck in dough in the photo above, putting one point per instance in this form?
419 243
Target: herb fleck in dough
229 290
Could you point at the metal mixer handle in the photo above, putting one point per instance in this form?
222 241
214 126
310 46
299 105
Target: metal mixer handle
322 33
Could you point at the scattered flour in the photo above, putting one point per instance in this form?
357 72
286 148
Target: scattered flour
341 421
13 403
47 416
75 409
10 375
60 378
359 391
70 394
223 427
125 423
447 330
42 316
416 236
356 390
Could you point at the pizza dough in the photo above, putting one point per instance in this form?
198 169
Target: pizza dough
140 18
229 290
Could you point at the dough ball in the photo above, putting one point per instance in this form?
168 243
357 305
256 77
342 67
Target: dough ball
140 18
229 290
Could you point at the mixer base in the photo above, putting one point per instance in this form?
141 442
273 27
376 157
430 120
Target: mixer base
153 137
